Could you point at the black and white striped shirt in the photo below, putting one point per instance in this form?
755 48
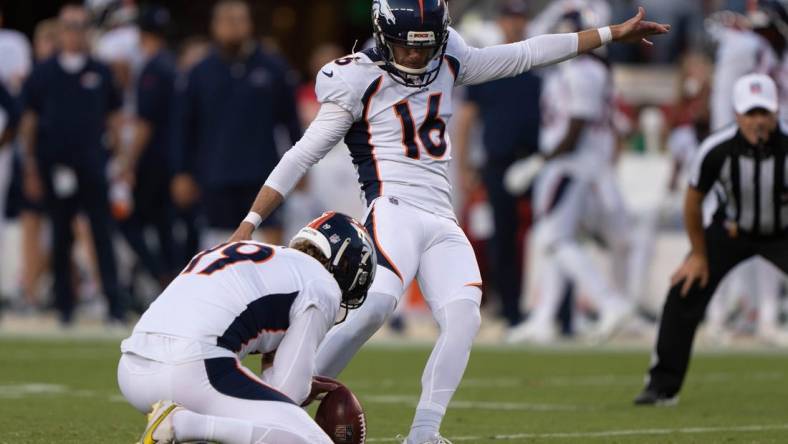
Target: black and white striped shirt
750 181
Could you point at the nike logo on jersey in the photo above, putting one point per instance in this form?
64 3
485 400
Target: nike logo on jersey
329 73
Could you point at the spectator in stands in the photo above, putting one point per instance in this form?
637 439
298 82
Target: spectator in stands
226 117
70 102
508 110
145 165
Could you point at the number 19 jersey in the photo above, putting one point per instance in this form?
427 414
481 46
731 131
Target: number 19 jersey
232 300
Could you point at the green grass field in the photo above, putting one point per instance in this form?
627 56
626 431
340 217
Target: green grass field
65 391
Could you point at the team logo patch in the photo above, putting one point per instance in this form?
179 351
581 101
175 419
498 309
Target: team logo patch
421 37
90 80
343 432
382 7
755 88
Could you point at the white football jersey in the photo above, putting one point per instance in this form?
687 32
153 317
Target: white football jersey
580 88
399 141
232 300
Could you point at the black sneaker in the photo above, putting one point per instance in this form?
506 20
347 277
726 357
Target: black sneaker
654 398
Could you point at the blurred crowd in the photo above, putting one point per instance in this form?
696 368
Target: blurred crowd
125 153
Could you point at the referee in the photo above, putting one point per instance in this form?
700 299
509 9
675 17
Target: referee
745 165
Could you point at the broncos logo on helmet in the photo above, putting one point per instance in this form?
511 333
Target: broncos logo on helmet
411 24
351 254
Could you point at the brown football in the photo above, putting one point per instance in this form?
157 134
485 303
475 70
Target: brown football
340 415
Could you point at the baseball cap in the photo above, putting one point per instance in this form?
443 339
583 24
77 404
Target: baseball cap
755 91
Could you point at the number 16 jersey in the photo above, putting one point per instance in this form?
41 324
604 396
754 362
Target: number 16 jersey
399 141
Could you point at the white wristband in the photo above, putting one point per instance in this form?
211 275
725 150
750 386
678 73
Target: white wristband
605 34
254 219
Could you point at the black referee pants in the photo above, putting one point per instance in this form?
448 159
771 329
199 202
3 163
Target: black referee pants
681 315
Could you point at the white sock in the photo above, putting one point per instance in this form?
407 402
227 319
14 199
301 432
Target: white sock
459 322
344 340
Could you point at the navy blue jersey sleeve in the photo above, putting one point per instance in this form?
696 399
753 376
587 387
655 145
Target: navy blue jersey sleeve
10 106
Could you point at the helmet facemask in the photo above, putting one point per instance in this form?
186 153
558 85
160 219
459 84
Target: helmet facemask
394 24
412 77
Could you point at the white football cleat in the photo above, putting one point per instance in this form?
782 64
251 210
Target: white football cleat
160 429
436 439
532 332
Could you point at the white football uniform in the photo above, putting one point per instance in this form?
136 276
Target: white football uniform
576 191
398 142
230 301
579 89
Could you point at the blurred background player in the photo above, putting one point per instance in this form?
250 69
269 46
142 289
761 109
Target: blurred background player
233 300
576 192
229 109
17 60
145 164
66 154
748 163
508 111
14 68
9 120
35 257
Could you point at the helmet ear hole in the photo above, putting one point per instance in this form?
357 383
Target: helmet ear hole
351 254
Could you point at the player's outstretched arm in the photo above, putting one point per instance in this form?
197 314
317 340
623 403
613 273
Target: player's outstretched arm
634 30
500 61
325 132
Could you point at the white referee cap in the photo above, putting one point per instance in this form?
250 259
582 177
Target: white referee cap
755 91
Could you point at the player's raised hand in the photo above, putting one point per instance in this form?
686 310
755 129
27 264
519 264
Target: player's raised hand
637 30
695 268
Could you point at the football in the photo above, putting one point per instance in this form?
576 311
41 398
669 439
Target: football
341 416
